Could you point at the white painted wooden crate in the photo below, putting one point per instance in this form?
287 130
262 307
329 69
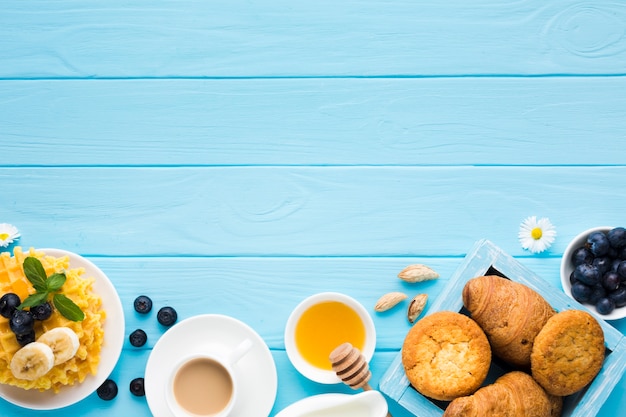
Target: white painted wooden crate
485 258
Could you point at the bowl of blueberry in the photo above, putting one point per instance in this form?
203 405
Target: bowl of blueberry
593 270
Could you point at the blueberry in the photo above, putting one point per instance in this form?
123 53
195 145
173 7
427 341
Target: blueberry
617 237
138 338
26 338
42 311
611 280
615 264
605 305
603 263
619 297
137 387
581 292
621 269
572 278
582 255
587 274
598 243
8 304
108 390
167 316
21 322
143 304
597 293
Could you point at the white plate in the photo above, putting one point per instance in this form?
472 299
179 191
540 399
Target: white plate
214 332
111 347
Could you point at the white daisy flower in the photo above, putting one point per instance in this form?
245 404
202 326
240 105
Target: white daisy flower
536 235
8 233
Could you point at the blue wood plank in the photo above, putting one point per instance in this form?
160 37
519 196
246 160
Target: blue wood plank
303 211
241 38
475 121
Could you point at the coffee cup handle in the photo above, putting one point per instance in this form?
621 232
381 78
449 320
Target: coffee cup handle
240 351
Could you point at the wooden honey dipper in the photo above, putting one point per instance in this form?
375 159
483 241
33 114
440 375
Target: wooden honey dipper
351 367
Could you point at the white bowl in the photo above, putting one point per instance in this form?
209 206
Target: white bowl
567 268
305 368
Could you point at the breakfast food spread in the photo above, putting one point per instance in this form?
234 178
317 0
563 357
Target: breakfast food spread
446 355
41 348
510 313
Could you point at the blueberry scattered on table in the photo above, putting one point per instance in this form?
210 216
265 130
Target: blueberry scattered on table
167 316
143 304
108 390
8 304
138 338
137 387
41 311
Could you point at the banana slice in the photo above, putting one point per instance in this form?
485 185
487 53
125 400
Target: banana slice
63 341
32 361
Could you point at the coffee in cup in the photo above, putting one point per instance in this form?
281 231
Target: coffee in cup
204 384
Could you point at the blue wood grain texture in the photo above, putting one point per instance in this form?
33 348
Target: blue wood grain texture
325 38
466 121
261 151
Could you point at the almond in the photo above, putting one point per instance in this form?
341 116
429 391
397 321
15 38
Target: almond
416 306
417 273
389 300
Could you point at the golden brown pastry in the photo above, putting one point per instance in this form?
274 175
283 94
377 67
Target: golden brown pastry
446 355
515 394
568 352
510 313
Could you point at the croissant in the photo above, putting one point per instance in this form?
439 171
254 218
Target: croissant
515 394
511 315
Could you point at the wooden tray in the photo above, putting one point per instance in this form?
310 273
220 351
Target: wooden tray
485 258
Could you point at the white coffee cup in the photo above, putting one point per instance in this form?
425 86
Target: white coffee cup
204 384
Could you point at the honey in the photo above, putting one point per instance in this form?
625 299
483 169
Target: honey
323 327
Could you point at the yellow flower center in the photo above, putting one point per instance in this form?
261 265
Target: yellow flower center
536 233
4 236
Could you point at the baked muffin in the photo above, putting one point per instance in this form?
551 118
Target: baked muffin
568 352
446 355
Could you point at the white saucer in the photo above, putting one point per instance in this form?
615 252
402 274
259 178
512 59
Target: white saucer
111 347
214 332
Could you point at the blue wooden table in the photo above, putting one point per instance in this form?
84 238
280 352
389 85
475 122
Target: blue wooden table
234 157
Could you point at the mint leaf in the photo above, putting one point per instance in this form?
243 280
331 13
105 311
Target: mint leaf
34 300
55 282
67 308
33 269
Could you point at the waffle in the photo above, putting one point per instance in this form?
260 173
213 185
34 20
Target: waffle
89 331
